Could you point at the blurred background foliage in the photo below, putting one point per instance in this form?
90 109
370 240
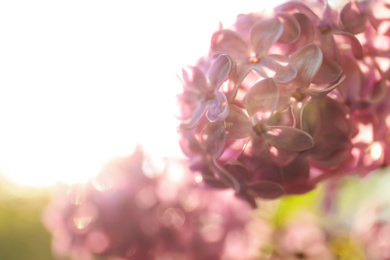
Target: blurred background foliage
22 234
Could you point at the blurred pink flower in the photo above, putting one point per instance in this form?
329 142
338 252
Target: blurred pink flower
302 239
129 212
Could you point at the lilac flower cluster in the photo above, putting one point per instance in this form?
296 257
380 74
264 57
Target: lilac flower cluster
285 100
129 212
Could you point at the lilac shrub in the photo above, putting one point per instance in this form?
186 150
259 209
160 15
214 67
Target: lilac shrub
287 99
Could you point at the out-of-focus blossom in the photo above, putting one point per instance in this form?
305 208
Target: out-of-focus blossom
307 101
372 229
130 211
303 238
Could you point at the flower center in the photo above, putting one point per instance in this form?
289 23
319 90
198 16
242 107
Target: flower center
254 60
211 96
324 29
259 129
366 52
298 95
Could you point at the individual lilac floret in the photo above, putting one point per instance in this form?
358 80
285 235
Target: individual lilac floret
253 55
260 102
130 211
201 92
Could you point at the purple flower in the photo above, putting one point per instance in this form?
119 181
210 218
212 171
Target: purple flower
201 92
253 55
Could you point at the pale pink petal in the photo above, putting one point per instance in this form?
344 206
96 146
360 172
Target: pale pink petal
264 34
307 61
219 71
189 143
377 93
231 43
307 30
329 72
240 72
214 139
265 189
351 87
291 28
218 108
195 116
301 7
238 124
278 67
186 104
325 39
288 138
261 99
194 79
352 19
354 43
318 92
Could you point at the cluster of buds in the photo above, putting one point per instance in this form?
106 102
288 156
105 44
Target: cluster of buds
287 99
130 211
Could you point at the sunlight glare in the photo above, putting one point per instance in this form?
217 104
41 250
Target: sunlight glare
85 81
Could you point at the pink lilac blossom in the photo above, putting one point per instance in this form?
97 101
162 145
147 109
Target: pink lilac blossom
372 230
130 211
305 99
302 238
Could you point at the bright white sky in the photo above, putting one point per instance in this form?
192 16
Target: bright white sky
82 81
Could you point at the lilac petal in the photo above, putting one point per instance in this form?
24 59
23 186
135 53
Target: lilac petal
378 93
186 104
238 125
189 144
219 71
264 34
356 47
307 30
195 116
334 116
288 138
291 28
282 157
296 171
316 92
307 61
265 189
310 117
214 139
218 108
262 99
226 176
194 79
238 170
329 72
240 72
352 19
297 6
350 88
325 39
332 149
278 67
231 43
